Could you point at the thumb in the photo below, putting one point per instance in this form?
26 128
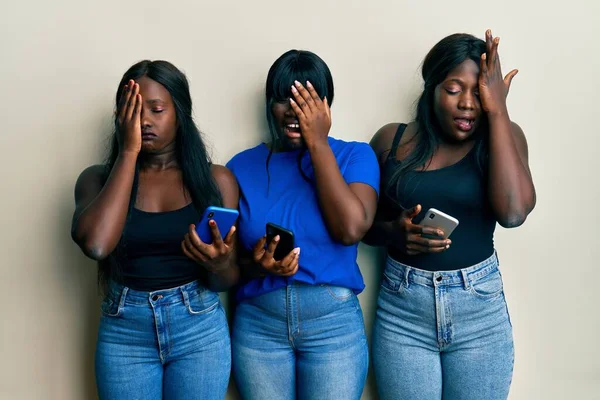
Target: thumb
412 212
509 77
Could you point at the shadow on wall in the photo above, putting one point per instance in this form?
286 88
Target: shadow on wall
78 275
371 261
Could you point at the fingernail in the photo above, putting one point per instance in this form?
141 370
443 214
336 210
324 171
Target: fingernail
294 89
309 84
292 100
211 222
297 251
440 233
297 83
276 238
448 246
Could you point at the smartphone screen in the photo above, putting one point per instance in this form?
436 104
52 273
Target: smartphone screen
286 240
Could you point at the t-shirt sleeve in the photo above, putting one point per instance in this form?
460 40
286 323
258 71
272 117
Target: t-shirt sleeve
363 167
232 164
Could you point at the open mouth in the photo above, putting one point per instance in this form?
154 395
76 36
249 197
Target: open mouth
292 130
464 124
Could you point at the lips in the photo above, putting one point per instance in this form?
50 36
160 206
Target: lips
148 136
292 130
464 124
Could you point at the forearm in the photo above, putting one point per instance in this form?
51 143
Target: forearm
99 227
223 279
380 233
510 185
344 213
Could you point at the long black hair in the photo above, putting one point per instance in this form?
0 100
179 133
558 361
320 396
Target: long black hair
294 65
446 55
190 151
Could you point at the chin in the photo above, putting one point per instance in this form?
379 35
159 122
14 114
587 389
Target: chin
293 144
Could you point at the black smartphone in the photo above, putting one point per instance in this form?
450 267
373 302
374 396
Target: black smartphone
286 240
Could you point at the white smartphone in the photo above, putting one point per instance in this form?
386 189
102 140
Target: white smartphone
437 219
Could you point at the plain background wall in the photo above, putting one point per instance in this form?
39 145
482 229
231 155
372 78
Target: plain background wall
60 62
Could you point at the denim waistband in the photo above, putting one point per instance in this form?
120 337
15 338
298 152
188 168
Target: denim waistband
126 295
443 278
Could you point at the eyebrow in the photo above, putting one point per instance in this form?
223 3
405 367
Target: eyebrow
154 101
459 81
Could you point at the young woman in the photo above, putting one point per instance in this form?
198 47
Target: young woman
163 332
442 328
298 330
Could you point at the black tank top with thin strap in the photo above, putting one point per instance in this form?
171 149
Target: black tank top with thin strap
152 245
459 190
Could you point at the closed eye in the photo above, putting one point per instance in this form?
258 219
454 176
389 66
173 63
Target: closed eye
157 111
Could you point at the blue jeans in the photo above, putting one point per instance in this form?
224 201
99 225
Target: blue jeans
442 335
166 344
302 341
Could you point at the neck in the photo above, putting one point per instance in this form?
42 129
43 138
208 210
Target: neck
158 161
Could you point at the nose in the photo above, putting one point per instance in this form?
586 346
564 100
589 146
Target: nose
145 119
289 111
467 101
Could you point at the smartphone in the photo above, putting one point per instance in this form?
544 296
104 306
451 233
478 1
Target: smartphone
437 219
224 217
286 240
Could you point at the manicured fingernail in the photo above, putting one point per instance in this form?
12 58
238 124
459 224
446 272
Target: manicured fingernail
309 84
297 83
448 246
276 238
294 89
292 100
297 251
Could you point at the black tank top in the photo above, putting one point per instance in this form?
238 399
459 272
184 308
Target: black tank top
152 246
459 190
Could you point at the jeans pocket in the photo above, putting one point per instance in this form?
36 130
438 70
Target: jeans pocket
201 301
110 307
339 292
391 283
488 287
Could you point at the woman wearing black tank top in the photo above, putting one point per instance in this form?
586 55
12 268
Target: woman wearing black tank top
163 332
442 328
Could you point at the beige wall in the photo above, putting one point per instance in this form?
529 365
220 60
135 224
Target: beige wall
61 60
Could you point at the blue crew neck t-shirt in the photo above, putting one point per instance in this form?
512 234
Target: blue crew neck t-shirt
284 197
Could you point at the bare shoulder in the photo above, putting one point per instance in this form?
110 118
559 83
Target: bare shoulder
519 137
384 137
92 177
517 132
227 185
381 142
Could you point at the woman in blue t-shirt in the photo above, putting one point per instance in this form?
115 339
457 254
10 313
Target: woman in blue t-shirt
298 330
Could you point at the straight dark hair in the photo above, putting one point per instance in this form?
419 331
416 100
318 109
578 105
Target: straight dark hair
294 65
190 150
446 55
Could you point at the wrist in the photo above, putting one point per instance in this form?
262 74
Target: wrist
317 145
128 154
500 113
